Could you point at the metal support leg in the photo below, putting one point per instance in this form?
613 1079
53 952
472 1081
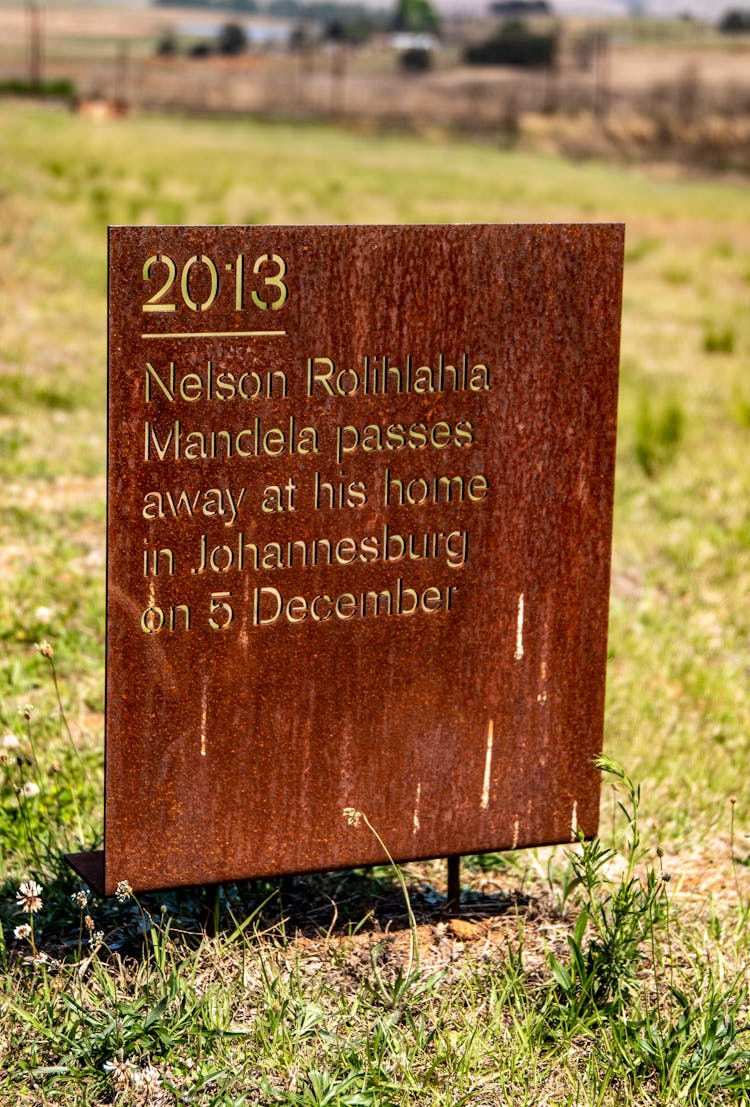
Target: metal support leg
454 885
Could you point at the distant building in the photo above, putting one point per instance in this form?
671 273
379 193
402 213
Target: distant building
258 32
519 9
413 40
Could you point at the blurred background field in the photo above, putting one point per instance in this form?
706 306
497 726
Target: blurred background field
628 85
678 705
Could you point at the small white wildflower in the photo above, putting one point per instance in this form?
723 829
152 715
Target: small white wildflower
10 742
44 649
29 897
80 899
352 816
44 615
96 939
41 958
26 709
123 891
22 932
30 789
148 1079
120 1071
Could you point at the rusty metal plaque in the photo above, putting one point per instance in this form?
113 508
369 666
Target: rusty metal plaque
359 525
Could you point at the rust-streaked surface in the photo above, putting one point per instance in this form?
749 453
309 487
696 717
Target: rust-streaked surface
468 725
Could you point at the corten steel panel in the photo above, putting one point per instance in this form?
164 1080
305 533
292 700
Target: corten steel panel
469 724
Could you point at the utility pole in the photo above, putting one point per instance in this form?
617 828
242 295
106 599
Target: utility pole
122 73
34 13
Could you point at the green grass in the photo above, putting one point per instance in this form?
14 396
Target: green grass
584 980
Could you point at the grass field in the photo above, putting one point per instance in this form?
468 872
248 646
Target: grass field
610 978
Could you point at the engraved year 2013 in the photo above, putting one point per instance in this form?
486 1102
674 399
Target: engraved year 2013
268 273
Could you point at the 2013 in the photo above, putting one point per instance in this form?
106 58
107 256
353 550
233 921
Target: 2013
270 267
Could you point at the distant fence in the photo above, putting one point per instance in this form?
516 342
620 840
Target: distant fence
705 121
